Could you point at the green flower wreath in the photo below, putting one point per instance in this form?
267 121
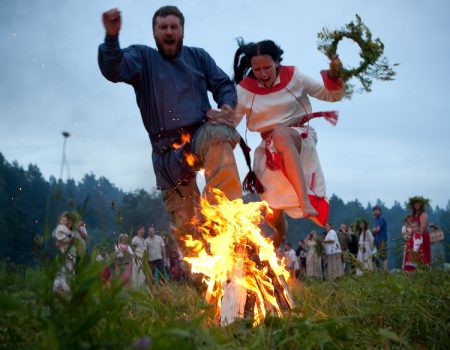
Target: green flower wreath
372 64
418 199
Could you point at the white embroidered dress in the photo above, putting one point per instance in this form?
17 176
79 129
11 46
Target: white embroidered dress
284 104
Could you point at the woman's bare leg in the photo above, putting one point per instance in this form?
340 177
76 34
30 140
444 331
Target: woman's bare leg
278 222
287 143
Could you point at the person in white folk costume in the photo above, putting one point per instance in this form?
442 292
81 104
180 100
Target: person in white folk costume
365 247
139 248
71 243
64 237
123 261
274 99
313 259
335 268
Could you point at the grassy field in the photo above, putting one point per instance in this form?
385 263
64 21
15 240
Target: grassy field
376 311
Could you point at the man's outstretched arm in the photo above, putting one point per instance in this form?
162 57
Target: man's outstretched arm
117 65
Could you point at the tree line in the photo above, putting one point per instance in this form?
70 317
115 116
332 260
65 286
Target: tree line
30 206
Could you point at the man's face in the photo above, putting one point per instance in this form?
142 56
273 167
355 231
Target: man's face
151 232
376 213
140 232
328 227
343 227
168 34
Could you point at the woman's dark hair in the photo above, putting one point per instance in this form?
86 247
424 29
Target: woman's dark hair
359 230
167 11
245 53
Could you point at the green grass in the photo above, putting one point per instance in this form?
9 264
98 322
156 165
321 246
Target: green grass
375 311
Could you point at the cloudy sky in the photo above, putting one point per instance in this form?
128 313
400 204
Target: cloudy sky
390 144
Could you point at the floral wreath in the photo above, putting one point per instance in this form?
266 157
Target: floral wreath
372 65
425 202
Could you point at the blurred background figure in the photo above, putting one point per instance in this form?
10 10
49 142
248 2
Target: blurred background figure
437 246
344 241
123 262
291 259
139 248
156 253
365 247
63 237
314 256
335 269
379 232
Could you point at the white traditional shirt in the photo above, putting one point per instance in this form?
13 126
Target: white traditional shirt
291 258
63 237
155 247
282 104
332 248
120 248
138 245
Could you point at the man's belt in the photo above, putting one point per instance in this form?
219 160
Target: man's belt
174 133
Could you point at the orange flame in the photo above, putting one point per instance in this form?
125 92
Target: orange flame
236 260
184 138
191 159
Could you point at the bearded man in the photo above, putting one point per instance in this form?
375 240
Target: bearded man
171 85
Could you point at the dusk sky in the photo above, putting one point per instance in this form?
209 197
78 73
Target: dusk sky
390 144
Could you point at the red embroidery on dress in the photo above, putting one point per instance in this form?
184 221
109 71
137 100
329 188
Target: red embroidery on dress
252 85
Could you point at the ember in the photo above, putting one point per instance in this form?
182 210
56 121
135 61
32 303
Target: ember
243 275
184 139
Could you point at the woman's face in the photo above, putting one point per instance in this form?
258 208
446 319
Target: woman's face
362 225
265 69
417 205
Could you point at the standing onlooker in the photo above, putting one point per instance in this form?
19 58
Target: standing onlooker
291 259
301 258
406 233
380 233
352 245
365 246
156 253
167 247
138 245
334 253
437 248
176 271
413 248
344 240
313 259
81 237
64 237
418 248
123 262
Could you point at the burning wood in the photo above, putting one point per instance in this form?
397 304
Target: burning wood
240 268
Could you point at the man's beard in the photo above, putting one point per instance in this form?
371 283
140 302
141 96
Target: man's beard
164 53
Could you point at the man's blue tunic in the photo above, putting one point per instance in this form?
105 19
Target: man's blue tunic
170 93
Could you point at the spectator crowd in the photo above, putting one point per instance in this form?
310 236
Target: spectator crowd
358 248
354 249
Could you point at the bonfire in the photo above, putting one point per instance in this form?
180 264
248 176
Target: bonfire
243 275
